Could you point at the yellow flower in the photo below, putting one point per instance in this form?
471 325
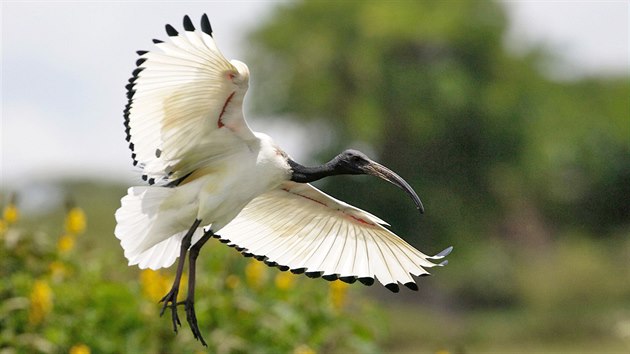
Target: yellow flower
79 349
338 293
41 302
65 243
303 349
58 270
284 280
255 273
10 214
3 226
232 281
75 221
154 284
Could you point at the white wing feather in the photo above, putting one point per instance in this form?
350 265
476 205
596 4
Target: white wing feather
301 228
185 114
178 103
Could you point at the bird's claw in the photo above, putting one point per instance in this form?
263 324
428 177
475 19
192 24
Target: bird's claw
191 317
170 300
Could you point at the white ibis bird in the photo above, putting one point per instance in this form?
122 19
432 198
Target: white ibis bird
208 173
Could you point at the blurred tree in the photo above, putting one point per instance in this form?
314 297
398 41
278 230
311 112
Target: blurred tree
429 89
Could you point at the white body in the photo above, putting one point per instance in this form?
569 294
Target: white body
215 195
187 132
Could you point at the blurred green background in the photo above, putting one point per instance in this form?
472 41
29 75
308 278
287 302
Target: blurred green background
528 177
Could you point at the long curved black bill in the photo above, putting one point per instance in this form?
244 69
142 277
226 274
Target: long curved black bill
378 170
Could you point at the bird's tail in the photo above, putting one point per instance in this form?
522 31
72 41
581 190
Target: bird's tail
150 232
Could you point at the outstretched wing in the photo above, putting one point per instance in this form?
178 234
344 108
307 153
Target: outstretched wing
298 227
185 104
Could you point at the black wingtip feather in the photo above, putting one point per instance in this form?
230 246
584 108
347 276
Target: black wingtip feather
348 280
188 26
393 287
172 32
298 270
136 71
366 281
330 277
205 25
142 52
411 285
140 61
283 268
314 274
157 41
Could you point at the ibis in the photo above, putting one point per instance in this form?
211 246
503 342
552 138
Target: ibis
210 176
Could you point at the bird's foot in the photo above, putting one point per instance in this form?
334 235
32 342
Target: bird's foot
170 300
191 317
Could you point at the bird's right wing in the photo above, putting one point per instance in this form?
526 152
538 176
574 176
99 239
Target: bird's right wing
184 100
300 228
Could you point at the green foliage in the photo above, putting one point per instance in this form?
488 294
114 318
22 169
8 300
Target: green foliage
58 297
526 176
430 88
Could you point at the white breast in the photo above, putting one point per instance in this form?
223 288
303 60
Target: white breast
241 178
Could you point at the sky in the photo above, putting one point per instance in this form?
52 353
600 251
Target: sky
64 66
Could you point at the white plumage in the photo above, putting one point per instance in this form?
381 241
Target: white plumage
301 227
184 122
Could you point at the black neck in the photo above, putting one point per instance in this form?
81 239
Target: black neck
303 174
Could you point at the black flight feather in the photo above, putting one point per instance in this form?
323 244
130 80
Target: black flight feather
172 32
188 26
205 25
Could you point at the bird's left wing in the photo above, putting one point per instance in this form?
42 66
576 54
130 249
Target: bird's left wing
184 104
300 228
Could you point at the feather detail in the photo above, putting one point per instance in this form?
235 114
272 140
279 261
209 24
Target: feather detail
179 97
298 227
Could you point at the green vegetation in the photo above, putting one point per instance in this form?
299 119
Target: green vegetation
67 289
569 295
490 142
528 178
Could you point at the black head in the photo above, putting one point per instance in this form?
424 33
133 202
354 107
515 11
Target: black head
352 162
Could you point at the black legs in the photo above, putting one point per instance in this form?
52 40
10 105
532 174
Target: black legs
170 299
189 303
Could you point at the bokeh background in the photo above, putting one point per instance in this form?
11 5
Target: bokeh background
510 119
